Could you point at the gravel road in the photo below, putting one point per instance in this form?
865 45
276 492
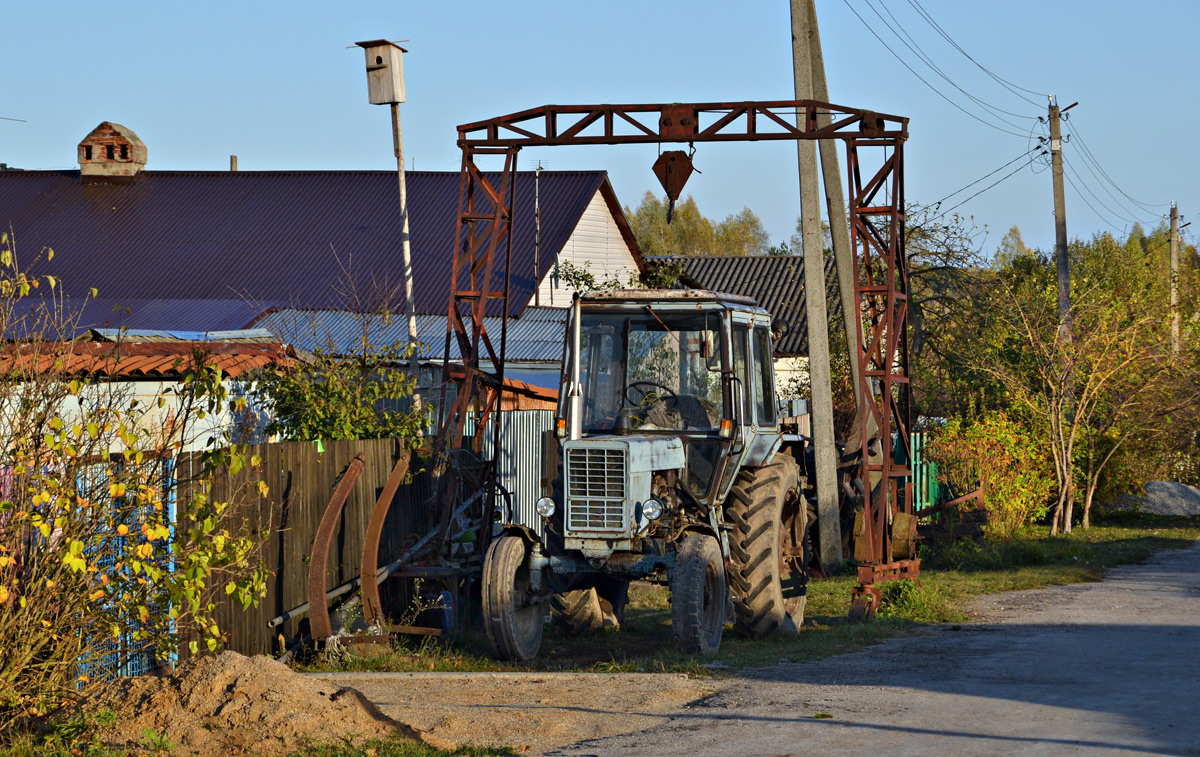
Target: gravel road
1089 669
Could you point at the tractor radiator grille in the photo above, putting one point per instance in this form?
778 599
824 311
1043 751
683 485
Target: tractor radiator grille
596 490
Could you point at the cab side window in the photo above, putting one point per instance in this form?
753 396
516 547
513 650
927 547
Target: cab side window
740 351
764 386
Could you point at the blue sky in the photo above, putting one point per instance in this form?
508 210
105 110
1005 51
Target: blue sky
274 84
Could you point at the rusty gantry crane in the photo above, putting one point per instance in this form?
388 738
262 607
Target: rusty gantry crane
480 286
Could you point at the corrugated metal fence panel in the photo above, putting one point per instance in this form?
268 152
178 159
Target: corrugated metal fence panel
519 467
926 491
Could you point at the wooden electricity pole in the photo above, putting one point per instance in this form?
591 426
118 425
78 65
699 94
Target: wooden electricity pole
1175 344
804 36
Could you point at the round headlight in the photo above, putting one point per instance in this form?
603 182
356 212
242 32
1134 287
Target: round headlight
545 507
652 509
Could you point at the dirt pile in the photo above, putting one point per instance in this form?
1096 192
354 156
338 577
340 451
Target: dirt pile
231 703
534 712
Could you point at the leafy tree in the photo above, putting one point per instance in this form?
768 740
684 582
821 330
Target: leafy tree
362 395
1105 385
1002 457
742 234
947 282
691 233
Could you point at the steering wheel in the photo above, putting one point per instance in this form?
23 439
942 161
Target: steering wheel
664 394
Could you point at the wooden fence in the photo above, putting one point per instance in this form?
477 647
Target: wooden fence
301 477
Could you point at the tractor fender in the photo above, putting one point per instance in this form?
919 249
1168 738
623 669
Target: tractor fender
515 529
699 528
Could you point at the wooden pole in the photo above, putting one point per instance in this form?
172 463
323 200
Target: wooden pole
410 305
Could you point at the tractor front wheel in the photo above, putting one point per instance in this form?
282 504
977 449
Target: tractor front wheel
512 614
698 595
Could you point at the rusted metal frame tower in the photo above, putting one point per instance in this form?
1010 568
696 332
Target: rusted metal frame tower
877 228
484 226
881 274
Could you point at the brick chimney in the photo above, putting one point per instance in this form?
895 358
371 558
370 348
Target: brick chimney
111 151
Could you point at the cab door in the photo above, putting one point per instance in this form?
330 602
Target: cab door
762 400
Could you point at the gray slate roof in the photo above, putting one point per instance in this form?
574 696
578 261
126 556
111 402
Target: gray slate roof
776 282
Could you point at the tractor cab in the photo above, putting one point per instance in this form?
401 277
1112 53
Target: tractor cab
689 365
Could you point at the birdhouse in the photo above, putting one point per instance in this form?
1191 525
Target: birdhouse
385 71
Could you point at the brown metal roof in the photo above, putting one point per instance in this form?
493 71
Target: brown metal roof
224 244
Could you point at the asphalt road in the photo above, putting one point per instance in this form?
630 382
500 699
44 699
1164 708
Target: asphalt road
1089 669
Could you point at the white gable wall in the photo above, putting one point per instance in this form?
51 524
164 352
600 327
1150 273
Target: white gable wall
597 245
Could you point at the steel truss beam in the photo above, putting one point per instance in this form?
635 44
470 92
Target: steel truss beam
877 233
678 122
484 226
877 228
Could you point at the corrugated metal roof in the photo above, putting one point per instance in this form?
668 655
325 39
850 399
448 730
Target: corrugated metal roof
199 250
536 336
776 282
155 335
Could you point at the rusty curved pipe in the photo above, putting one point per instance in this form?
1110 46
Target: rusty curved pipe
319 622
371 603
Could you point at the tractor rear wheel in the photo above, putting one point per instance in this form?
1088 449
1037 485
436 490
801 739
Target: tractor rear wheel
576 613
698 595
583 611
769 571
512 615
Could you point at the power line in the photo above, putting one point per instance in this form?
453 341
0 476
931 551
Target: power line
1097 213
922 79
1095 197
1088 164
999 79
1151 206
989 186
916 49
985 176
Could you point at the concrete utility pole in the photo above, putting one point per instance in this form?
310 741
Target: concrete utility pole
828 518
1175 344
1060 222
835 199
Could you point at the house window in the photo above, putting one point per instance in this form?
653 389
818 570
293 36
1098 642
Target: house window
87 152
124 152
108 152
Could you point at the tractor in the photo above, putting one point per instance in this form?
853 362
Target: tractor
675 467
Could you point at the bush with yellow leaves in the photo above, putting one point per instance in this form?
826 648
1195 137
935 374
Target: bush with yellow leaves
106 556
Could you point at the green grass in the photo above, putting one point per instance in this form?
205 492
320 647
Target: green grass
952 574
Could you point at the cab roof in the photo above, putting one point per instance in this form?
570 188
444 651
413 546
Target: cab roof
671 297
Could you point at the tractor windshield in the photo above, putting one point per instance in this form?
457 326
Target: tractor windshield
651 370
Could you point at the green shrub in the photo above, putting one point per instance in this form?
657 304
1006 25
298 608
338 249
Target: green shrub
1001 456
